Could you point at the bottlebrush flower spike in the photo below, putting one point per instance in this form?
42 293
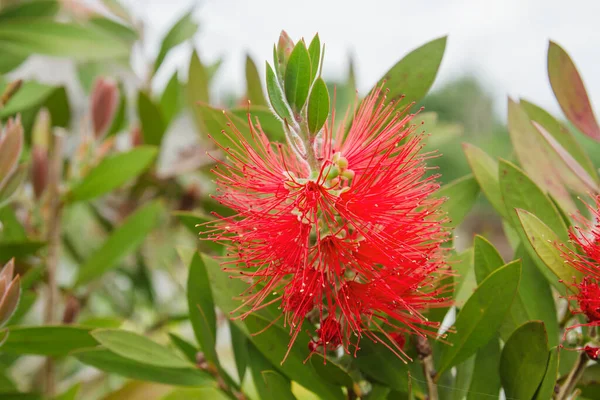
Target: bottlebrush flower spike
586 238
348 237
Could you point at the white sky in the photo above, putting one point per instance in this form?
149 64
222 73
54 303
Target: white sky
502 41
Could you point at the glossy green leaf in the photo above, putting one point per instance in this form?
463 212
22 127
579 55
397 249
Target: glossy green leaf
202 308
541 164
545 244
382 366
486 258
465 282
47 340
113 363
39 8
190 219
570 91
25 36
269 123
124 32
297 77
331 371
464 375
546 388
239 345
414 74
482 315
33 95
273 344
523 361
170 100
153 125
460 195
254 90
485 382
185 347
318 106
275 93
196 394
182 30
122 241
113 172
485 171
314 50
561 133
215 121
225 289
138 348
268 382
19 249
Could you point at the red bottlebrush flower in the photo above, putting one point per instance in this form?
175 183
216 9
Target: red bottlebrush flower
586 259
348 237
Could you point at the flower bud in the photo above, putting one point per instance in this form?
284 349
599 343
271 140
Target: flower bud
136 136
103 107
40 139
284 49
10 291
592 352
11 145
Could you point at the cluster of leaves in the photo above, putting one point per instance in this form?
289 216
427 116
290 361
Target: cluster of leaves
92 225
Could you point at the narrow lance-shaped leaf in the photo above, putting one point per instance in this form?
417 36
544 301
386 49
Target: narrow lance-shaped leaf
460 195
413 75
486 380
202 309
481 316
121 242
297 77
524 360
112 172
568 159
314 50
153 125
254 89
570 91
47 340
183 30
276 95
318 106
197 88
546 388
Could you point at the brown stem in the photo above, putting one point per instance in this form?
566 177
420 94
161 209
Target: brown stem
574 375
426 356
54 241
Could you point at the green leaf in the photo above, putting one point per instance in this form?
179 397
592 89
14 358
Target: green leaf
331 371
540 165
113 172
486 258
225 290
464 375
19 249
546 388
268 382
190 219
196 394
276 95
33 95
113 363
465 281
269 123
524 360
254 90
239 345
297 77
461 194
485 381
184 29
122 241
47 340
221 125
413 75
482 315
314 50
119 120
124 32
485 171
273 344
70 394
186 348
42 8
544 242
197 89
202 308
138 348
570 91
561 133
26 36
153 126
170 101
318 106
382 366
